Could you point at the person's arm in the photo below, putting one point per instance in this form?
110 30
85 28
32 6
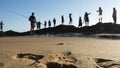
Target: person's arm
89 13
98 10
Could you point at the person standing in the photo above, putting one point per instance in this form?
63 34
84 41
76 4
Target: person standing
80 22
54 22
70 17
100 14
45 24
1 26
32 20
62 19
49 23
114 15
38 25
86 18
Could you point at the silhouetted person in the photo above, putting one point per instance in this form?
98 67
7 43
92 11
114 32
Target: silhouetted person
62 18
32 20
86 18
80 22
70 22
45 24
49 23
114 15
100 14
1 26
38 25
54 22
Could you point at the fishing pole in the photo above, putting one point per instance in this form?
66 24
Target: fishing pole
18 14
22 15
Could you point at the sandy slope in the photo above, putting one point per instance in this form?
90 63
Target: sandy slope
84 49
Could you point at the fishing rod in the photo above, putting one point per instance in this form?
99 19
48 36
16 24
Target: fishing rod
18 14
22 16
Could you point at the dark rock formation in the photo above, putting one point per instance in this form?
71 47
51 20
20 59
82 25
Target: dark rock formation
87 30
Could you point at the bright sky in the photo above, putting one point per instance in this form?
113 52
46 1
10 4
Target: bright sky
12 12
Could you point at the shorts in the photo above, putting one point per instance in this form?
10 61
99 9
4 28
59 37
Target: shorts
32 24
100 16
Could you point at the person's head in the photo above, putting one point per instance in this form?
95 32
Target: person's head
99 7
32 13
79 17
70 14
114 8
85 12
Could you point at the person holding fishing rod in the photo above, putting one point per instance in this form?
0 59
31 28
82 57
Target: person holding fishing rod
32 20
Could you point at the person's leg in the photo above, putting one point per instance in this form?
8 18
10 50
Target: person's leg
0 28
101 19
115 20
85 23
88 23
31 28
31 31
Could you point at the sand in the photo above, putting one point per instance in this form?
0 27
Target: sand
59 52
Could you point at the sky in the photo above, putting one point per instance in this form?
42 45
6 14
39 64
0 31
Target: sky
15 13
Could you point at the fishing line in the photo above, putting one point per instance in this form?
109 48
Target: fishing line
18 14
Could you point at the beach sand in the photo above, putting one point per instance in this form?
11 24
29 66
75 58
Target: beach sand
59 52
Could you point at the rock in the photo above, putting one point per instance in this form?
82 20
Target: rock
60 44
67 53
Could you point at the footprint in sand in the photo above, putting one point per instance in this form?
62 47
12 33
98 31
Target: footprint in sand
30 56
106 63
1 64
